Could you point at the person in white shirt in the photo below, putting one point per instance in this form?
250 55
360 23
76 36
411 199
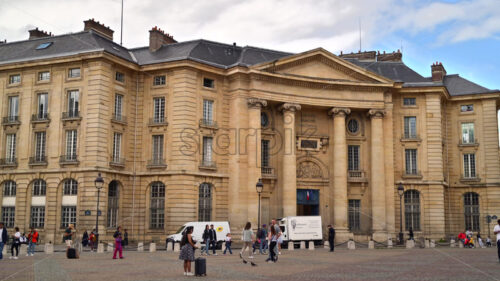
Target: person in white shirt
15 244
496 230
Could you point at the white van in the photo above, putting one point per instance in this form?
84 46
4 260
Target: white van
303 228
221 229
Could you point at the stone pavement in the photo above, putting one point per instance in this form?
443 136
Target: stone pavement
300 265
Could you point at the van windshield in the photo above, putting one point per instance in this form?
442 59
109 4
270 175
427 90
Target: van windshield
181 229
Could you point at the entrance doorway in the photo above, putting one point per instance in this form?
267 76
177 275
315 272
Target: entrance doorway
307 202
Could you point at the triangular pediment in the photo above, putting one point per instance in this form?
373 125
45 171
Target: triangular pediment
321 64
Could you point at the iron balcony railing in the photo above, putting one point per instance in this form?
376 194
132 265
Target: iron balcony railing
208 164
71 115
38 160
119 118
208 123
40 117
117 161
11 120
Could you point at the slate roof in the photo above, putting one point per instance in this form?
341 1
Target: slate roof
211 53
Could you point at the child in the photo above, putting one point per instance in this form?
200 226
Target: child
228 244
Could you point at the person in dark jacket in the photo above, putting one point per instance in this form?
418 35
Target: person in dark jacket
213 239
206 240
331 237
125 238
85 238
411 233
3 238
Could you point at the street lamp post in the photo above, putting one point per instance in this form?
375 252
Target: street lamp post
401 191
99 183
259 186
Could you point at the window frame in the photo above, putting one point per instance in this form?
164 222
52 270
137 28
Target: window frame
71 144
412 211
37 221
11 79
12 189
212 84
468 106
68 216
73 102
9 216
205 202
113 205
354 163
39 188
411 169
469 135
265 149
409 98
354 215
10 147
72 75
162 78
157 205
70 187
40 146
40 75
119 77
472 212
469 166
159 110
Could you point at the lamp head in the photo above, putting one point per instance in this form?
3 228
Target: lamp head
401 189
99 182
259 186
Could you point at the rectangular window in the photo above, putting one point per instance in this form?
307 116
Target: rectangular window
409 101
469 165
309 144
43 106
118 107
159 80
411 161
209 83
8 216
208 112
117 146
37 217
158 148
74 73
14 79
13 108
353 157
73 103
71 141
40 146
467 108
44 76
10 148
120 77
68 216
207 151
159 110
354 214
265 153
468 133
410 128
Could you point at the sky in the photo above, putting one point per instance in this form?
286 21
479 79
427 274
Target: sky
463 35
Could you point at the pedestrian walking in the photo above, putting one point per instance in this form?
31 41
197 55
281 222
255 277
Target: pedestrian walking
228 244
213 239
206 240
277 230
4 237
125 238
92 240
187 250
496 230
331 237
248 238
118 243
85 239
273 238
32 241
16 242
263 240
68 236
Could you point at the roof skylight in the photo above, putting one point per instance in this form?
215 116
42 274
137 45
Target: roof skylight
44 46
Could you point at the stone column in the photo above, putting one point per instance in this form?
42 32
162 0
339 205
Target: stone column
340 171
377 174
289 171
253 149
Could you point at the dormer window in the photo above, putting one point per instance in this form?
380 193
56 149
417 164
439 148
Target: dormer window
409 101
44 76
74 72
208 83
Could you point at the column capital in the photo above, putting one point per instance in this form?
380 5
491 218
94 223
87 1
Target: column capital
256 103
292 107
339 111
376 113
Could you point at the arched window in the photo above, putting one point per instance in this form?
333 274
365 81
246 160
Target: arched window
39 187
157 205
412 210
70 187
205 202
9 203
9 188
471 211
112 204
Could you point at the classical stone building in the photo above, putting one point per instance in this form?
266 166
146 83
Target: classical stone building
182 131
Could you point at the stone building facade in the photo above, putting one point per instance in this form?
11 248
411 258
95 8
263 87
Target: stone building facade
182 131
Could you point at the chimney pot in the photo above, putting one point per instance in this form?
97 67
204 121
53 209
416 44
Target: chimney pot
36 33
98 28
158 37
438 72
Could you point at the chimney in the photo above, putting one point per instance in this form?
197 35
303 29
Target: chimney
438 72
394 56
158 37
364 56
36 33
3 42
98 27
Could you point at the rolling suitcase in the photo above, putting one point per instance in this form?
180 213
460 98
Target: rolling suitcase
200 267
71 253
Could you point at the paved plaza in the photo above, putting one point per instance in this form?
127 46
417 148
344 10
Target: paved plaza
300 265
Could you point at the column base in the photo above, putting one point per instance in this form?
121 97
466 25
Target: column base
380 236
343 235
